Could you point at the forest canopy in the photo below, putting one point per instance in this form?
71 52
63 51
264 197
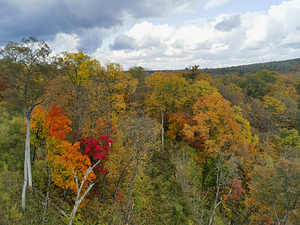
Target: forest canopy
84 142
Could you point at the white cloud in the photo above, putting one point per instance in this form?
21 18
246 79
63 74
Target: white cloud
215 3
224 40
277 27
64 42
256 35
145 29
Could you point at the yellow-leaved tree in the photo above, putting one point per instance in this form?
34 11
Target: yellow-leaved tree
78 68
168 92
109 89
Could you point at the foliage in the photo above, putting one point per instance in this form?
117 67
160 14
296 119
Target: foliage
10 212
79 67
255 87
170 206
169 92
276 188
11 140
50 130
97 148
230 140
3 86
29 67
216 123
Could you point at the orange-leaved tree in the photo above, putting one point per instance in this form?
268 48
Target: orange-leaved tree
226 146
50 129
217 123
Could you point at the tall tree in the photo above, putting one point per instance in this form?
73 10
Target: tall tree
79 68
217 123
109 89
29 69
225 147
168 93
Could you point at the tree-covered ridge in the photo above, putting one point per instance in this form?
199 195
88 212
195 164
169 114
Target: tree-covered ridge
88 143
286 66
291 66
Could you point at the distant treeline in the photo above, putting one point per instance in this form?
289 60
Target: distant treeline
283 67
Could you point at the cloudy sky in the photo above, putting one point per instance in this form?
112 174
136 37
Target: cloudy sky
160 34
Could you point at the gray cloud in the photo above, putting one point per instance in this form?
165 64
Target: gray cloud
152 42
293 45
228 24
179 44
123 41
44 19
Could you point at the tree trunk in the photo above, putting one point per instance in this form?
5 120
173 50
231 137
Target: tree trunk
24 185
78 198
127 214
79 188
27 163
121 177
214 208
27 151
74 212
118 183
218 184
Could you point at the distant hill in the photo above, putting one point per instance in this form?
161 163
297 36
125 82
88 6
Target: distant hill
282 67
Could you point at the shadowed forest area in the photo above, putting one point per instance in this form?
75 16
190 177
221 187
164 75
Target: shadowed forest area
88 143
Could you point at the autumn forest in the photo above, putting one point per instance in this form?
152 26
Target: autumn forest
83 142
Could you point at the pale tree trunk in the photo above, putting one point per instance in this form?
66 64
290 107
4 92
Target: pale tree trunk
27 163
287 191
79 198
24 184
78 201
27 151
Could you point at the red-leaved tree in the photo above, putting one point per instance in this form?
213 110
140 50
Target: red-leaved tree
97 147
